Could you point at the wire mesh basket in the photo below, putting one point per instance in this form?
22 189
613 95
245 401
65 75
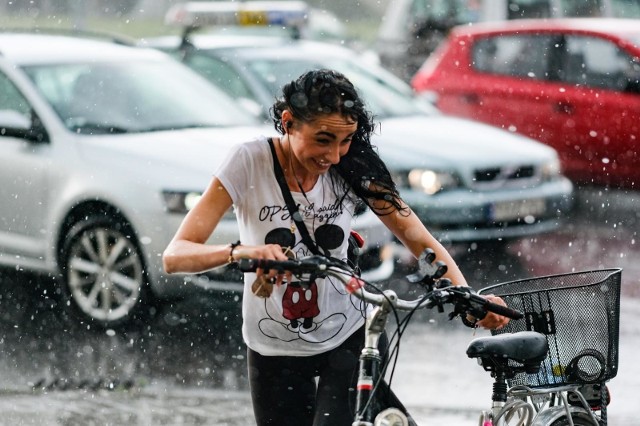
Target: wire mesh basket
579 313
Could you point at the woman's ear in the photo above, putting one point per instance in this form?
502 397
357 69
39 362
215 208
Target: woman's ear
287 119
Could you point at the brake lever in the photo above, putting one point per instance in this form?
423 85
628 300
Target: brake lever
466 303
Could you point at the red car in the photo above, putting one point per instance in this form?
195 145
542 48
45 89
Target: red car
570 83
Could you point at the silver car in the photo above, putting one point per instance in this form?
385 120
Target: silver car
468 182
103 149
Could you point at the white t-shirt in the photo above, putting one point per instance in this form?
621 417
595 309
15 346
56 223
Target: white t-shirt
297 319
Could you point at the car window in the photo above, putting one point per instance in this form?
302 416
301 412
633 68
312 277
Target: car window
526 9
11 99
219 73
385 95
594 62
523 56
584 8
133 97
625 8
444 10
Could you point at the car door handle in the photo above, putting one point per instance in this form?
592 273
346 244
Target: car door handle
470 98
564 107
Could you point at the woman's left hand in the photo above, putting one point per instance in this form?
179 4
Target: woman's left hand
493 321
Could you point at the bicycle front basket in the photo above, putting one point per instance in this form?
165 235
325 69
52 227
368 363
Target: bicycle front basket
579 313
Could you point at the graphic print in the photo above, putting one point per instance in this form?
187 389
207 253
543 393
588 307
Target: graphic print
300 316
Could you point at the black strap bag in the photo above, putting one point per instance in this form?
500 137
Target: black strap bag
355 240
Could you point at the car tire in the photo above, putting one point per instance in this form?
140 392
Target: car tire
104 282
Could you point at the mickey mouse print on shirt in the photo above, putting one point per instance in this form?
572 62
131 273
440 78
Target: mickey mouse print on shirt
300 316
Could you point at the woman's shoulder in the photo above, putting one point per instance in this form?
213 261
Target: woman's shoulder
255 148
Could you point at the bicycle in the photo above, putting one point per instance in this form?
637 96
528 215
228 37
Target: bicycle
512 355
578 316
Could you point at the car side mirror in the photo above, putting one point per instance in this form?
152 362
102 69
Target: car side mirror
633 80
17 125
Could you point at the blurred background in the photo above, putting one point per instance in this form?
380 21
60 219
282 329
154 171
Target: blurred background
142 18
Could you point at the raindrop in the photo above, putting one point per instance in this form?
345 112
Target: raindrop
172 319
606 160
593 133
299 100
110 332
512 128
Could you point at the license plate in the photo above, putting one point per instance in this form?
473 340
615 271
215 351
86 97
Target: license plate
512 210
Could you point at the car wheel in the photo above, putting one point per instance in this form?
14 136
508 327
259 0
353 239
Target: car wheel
103 272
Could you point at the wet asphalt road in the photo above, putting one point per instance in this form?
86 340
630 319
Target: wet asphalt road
186 366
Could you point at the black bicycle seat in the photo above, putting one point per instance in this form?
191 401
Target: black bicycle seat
526 347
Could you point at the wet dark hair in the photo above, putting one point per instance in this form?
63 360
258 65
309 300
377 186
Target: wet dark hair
321 92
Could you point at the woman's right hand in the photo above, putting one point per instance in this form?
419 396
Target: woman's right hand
267 251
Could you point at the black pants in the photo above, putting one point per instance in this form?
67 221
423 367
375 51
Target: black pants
284 391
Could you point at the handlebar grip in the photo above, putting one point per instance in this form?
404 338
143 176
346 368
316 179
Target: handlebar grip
505 311
250 265
311 264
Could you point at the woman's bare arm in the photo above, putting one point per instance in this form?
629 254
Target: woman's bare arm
187 251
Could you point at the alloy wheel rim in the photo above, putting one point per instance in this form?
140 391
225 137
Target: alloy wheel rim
105 274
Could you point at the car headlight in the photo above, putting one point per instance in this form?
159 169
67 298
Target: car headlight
183 201
180 201
551 169
429 181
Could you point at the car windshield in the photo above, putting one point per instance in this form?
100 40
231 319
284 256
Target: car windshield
385 94
124 97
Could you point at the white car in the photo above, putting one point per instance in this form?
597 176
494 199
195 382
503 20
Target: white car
103 149
468 182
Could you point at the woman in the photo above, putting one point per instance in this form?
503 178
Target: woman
296 331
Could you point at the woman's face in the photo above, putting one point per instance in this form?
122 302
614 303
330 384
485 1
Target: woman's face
320 143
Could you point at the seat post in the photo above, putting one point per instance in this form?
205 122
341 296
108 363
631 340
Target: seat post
499 387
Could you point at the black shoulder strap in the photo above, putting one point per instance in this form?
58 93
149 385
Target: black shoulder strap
291 204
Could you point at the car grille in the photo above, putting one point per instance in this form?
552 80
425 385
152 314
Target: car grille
503 176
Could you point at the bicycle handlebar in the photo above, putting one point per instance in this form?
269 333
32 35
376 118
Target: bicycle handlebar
311 264
463 298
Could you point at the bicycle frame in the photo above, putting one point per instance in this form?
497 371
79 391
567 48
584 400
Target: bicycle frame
538 407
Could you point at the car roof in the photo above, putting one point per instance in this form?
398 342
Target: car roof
255 46
26 48
623 28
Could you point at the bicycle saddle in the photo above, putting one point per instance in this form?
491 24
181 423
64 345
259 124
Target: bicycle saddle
525 347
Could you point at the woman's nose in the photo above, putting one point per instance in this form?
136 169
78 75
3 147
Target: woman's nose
333 156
